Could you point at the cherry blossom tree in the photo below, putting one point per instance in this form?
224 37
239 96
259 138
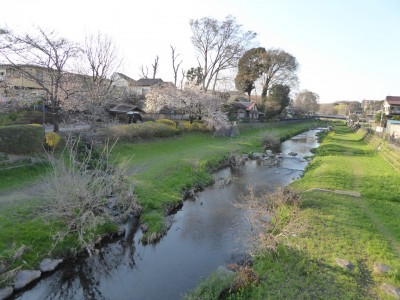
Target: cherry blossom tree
191 100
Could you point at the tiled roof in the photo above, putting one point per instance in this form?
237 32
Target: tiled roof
148 81
393 100
246 105
127 78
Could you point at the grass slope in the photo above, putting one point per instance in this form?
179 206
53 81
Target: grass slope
363 230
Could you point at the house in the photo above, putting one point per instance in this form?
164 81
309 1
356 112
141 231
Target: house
391 106
121 80
143 85
17 85
393 129
241 108
127 113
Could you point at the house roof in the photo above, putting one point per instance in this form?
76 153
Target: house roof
244 104
124 108
148 81
393 100
127 78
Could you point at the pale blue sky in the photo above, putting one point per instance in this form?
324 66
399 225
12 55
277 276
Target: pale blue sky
347 49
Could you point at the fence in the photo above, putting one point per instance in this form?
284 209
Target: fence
386 148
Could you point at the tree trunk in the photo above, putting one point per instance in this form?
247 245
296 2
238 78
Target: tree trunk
215 81
249 94
56 127
265 90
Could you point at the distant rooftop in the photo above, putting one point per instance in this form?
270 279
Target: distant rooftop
148 81
393 100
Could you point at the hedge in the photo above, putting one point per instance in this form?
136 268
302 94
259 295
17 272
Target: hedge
135 132
195 126
168 122
21 139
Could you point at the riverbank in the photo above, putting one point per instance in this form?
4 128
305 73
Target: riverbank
161 170
350 248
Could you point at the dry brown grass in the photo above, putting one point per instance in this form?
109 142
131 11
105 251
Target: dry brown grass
274 218
84 196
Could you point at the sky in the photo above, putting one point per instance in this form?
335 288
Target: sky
346 49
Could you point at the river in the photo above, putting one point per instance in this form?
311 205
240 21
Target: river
206 233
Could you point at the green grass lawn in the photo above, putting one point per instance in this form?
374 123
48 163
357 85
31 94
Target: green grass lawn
364 230
19 177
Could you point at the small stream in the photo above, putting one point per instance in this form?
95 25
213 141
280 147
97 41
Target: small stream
206 233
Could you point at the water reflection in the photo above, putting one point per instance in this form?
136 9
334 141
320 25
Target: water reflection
204 235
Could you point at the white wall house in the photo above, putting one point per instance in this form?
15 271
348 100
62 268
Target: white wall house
391 105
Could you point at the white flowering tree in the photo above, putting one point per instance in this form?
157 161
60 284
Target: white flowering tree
192 100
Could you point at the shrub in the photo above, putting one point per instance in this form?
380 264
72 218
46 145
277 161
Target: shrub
274 217
134 132
271 142
52 140
86 198
21 139
168 122
195 126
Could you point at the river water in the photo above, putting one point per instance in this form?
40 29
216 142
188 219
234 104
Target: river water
206 233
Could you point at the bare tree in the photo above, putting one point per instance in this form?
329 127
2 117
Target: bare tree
175 65
219 45
183 77
155 67
144 72
41 58
94 85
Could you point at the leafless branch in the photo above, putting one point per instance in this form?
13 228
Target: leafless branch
144 72
175 65
155 67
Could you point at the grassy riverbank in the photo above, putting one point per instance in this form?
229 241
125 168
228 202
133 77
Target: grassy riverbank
364 230
163 169
160 169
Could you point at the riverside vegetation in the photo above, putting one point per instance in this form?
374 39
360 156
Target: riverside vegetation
160 170
363 230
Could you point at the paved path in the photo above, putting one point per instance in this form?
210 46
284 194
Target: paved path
67 128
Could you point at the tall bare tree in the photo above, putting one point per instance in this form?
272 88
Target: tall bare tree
41 57
175 64
219 45
155 66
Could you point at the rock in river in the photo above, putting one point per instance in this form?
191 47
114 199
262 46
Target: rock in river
24 277
48 265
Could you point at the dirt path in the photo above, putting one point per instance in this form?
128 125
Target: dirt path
24 193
